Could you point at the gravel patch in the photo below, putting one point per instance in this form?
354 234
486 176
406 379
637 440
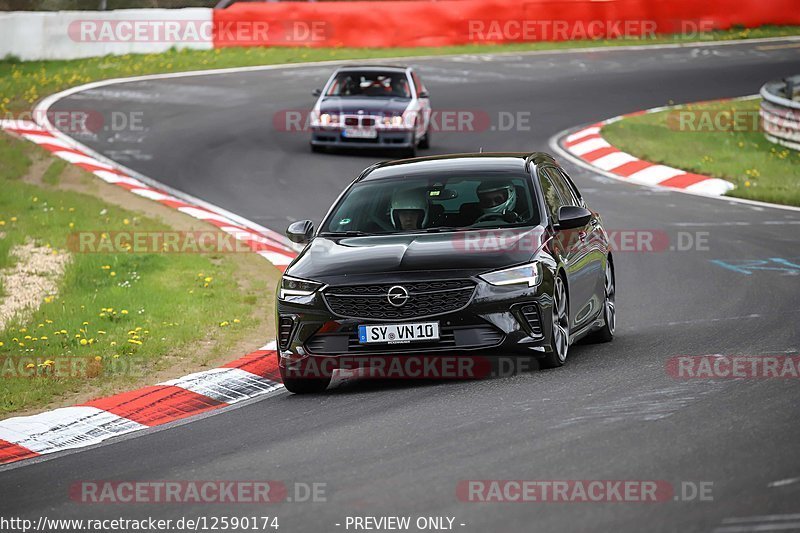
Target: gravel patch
34 276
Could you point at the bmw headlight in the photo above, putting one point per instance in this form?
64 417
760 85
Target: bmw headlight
297 287
395 121
530 274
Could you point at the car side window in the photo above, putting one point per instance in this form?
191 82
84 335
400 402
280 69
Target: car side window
575 192
552 197
417 83
563 188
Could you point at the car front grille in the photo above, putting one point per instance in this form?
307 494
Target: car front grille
425 298
450 338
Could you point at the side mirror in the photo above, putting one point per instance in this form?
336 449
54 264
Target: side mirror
572 216
424 94
316 92
301 231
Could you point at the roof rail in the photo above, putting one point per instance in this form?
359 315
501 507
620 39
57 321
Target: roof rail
533 156
366 171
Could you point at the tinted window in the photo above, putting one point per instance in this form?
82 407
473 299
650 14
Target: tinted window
552 197
406 204
567 194
377 84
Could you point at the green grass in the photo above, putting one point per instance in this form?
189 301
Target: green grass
52 175
23 83
759 169
14 161
167 304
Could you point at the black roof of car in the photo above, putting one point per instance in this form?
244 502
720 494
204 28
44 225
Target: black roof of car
486 161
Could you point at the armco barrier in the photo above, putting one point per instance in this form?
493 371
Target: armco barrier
453 22
37 35
780 112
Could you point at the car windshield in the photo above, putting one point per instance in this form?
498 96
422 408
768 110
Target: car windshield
453 203
370 84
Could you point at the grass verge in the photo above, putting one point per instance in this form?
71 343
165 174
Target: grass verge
117 320
23 83
719 139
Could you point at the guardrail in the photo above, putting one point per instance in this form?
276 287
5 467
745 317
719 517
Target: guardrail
780 112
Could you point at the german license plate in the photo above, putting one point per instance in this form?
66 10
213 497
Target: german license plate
360 133
399 333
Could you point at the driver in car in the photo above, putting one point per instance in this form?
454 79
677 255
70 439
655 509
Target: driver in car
497 199
409 209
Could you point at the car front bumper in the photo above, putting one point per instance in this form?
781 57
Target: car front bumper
386 138
496 321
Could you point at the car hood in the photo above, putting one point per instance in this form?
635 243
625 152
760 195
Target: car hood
374 105
464 253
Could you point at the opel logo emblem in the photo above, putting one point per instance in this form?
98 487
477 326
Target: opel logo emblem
397 296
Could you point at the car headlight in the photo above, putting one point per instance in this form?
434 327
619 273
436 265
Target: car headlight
297 287
395 121
530 274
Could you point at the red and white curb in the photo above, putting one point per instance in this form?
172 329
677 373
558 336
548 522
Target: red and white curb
589 145
84 425
95 421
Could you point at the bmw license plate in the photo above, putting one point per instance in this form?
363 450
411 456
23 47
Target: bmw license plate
399 333
360 133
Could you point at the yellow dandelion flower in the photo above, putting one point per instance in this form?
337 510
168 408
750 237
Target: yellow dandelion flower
84 342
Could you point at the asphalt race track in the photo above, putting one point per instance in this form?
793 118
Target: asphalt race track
400 448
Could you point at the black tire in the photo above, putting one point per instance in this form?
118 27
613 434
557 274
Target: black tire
606 333
317 149
409 152
425 142
559 337
304 385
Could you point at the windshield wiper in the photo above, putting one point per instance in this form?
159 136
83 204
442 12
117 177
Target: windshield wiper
438 229
344 234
